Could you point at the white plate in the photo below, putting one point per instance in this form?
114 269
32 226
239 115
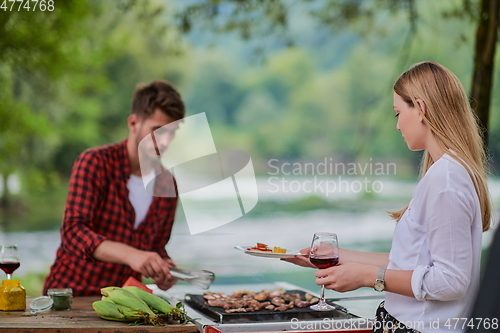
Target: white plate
288 254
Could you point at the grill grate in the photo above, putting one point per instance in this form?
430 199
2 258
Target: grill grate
218 314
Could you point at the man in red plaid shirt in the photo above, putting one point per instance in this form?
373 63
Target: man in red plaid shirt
112 228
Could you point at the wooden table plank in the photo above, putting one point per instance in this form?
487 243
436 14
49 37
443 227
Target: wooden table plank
81 318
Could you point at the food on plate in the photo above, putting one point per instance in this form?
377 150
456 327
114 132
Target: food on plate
265 248
248 301
278 250
132 304
260 247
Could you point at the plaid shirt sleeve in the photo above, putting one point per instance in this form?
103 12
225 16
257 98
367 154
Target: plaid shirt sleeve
162 237
85 194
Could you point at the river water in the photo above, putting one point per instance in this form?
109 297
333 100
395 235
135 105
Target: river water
368 230
214 249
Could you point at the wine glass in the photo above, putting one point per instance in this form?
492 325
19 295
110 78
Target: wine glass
324 253
9 259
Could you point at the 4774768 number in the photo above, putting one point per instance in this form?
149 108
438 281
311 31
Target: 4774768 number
28 5
473 323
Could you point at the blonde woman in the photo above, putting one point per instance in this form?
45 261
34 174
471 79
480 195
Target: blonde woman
431 274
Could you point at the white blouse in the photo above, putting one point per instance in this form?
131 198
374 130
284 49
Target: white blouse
439 238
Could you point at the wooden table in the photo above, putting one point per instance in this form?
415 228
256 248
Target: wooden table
81 318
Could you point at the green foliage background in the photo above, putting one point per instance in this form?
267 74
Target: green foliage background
67 78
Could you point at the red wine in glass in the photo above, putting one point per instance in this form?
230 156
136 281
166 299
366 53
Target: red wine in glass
9 259
324 253
323 262
9 266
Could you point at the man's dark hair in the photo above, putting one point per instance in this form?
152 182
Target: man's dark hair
158 94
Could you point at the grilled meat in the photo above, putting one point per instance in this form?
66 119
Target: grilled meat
247 301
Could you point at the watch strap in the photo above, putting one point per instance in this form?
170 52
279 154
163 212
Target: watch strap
379 284
381 274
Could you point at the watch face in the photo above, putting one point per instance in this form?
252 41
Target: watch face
379 286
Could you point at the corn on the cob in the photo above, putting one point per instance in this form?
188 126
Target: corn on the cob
151 300
135 305
116 312
108 311
126 298
167 313
107 299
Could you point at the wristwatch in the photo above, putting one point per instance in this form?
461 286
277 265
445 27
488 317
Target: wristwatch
379 284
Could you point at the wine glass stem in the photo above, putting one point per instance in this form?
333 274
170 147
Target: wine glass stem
9 276
322 298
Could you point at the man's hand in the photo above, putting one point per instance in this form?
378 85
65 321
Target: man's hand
169 280
301 260
149 264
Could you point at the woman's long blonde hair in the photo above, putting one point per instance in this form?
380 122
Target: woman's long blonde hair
451 120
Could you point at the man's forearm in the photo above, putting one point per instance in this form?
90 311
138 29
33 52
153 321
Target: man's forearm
114 252
147 263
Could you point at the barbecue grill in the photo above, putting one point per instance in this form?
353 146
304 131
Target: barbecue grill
211 319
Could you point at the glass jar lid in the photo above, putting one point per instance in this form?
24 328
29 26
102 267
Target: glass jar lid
60 291
41 303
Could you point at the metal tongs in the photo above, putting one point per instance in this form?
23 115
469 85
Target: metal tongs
201 279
